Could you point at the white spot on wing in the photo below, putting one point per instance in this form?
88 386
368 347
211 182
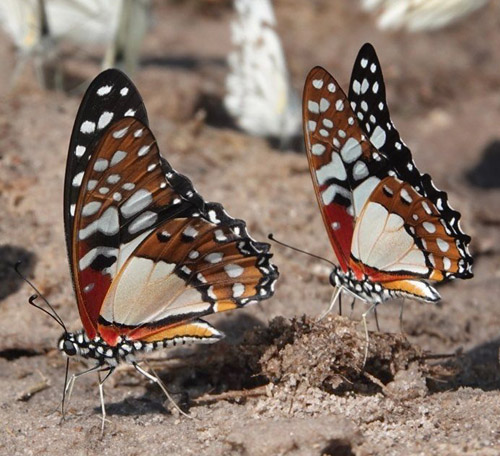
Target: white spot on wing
351 150
334 169
91 208
137 202
378 137
443 245
356 87
324 104
143 150
317 83
215 257
104 90
80 150
313 107
77 180
113 178
117 157
104 119
190 232
359 170
87 127
120 133
238 290
145 220
318 149
429 227
108 223
233 270
100 165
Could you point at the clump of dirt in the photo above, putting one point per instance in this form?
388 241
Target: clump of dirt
330 355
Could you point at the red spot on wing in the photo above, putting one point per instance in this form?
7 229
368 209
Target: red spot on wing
89 303
340 238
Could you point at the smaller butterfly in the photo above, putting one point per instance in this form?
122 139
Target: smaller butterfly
148 255
259 94
38 27
420 15
390 227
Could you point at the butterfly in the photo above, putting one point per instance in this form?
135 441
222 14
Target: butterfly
148 255
37 27
421 15
391 229
259 96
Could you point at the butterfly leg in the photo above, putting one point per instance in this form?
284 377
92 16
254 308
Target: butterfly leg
367 337
352 306
340 304
335 295
375 314
155 379
68 387
401 306
101 394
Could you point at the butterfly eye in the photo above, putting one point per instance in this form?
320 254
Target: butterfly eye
69 348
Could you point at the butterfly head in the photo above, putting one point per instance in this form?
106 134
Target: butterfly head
68 344
336 277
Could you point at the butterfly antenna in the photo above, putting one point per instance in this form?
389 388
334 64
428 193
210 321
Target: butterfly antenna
34 297
272 238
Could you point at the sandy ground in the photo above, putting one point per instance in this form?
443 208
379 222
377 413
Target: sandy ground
296 387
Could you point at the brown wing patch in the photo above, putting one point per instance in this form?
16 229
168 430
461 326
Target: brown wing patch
208 257
423 221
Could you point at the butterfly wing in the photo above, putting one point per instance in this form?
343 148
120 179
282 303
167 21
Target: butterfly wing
368 100
344 165
259 95
418 15
110 97
148 254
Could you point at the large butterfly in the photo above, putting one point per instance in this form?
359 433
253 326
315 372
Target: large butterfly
148 255
259 96
389 226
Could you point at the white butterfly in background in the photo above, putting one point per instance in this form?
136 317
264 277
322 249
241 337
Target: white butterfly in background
37 27
259 95
420 15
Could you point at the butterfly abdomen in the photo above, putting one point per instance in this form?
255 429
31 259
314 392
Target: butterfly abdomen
125 351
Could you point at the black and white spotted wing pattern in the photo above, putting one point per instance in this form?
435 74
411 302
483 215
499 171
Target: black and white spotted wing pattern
148 258
110 97
367 96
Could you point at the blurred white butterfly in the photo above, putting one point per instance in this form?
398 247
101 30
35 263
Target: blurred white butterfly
37 26
420 15
259 94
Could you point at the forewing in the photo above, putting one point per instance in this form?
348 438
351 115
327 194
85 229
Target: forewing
367 97
110 97
149 256
344 165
